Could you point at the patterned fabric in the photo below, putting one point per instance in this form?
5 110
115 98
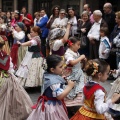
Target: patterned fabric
76 74
56 33
15 104
79 116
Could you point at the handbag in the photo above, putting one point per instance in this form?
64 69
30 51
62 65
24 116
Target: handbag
83 41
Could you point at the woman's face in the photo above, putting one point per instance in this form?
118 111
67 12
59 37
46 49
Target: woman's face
71 13
8 15
85 17
16 16
1 21
56 10
23 10
62 14
117 20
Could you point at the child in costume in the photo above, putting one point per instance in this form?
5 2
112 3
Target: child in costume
58 39
74 63
15 104
18 52
50 105
94 103
30 71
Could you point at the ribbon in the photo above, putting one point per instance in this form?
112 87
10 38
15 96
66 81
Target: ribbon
69 43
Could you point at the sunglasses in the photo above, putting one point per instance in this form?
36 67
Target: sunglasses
62 13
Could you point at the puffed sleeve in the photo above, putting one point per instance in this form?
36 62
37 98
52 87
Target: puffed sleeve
57 45
56 90
68 57
100 105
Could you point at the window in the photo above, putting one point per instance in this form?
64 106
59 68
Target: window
7 5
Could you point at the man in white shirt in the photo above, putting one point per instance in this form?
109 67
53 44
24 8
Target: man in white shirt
94 34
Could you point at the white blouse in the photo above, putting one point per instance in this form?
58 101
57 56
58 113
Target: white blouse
62 23
57 45
18 35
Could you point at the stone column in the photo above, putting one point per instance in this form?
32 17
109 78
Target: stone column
1 4
81 6
15 5
30 6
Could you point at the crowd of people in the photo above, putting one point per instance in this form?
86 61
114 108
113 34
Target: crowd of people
68 56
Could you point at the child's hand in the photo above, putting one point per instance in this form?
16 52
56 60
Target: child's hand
113 71
115 97
82 57
29 36
71 83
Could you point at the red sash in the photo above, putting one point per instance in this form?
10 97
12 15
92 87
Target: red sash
45 98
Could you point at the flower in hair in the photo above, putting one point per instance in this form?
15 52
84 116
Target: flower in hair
69 42
95 67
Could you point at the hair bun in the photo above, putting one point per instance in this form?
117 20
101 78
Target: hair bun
91 68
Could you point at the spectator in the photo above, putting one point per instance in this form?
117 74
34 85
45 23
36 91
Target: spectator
42 24
86 7
73 19
37 17
55 14
94 34
105 46
109 16
84 26
114 33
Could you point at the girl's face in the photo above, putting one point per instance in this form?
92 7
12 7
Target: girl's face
1 20
85 17
105 75
59 69
33 34
62 15
102 34
75 46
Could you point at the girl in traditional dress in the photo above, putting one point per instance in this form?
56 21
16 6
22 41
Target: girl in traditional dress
18 52
3 28
74 65
50 105
15 104
31 71
94 103
57 41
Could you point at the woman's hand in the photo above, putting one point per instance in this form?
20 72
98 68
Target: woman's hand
83 30
19 43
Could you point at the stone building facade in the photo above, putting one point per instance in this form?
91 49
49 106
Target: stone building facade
35 5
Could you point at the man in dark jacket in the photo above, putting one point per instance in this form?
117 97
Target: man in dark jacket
109 16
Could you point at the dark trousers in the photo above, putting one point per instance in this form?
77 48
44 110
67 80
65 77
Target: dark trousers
94 49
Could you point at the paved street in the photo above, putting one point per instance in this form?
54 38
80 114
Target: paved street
35 92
